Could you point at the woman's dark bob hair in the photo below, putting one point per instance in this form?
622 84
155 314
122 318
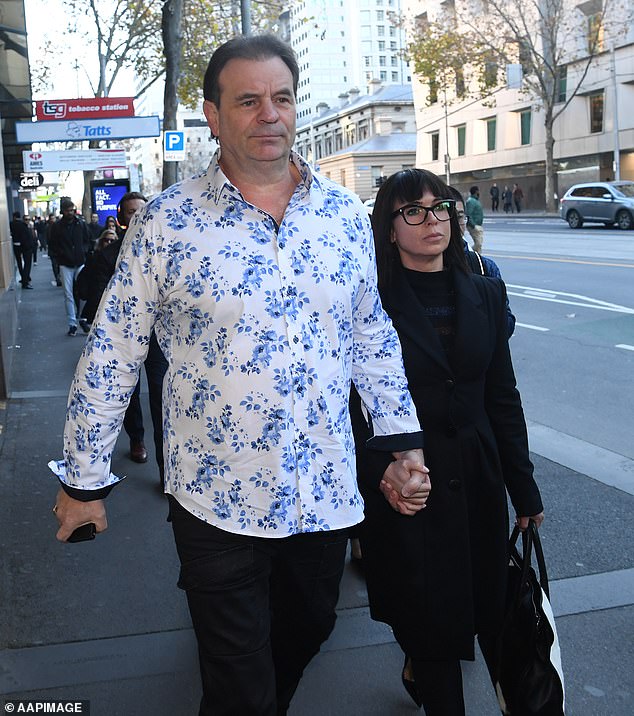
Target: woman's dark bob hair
405 186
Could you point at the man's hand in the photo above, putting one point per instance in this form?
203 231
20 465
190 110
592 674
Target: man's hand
405 483
72 514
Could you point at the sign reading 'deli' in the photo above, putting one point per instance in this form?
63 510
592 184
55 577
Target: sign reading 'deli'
74 160
30 181
92 108
86 129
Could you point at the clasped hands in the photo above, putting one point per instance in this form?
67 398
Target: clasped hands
405 483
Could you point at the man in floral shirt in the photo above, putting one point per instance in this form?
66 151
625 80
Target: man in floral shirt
258 278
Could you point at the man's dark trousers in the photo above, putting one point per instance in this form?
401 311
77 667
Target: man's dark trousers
260 608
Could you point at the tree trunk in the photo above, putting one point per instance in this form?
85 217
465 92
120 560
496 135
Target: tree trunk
551 176
172 41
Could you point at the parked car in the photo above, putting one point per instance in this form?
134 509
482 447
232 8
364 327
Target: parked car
602 202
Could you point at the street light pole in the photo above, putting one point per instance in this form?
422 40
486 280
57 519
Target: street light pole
245 13
447 159
615 119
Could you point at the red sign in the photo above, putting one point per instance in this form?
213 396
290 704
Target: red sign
85 108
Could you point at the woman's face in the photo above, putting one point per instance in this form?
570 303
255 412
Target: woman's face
110 222
421 246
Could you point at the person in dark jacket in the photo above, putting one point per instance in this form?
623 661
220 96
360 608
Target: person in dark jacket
70 243
94 280
438 578
476 262
22 248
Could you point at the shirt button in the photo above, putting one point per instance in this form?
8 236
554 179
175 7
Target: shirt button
449 384
451 431
455 484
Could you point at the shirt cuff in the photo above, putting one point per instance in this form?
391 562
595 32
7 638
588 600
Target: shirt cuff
396 443
86 495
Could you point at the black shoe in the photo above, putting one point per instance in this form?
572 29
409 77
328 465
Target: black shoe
138 453
410 684
72 331
27 286
85 326
59 283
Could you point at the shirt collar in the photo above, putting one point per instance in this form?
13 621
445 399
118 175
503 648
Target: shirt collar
219 186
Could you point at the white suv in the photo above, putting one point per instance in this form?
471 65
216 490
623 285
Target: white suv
600 202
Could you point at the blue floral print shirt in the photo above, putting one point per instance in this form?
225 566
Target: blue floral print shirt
263 327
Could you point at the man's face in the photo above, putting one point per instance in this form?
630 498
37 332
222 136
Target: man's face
94 218
255 121
68 212
129 209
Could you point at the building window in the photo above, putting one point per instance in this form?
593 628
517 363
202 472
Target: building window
383 76
381 45
461 131
595 33
525 127
394 61
380 15
562 83
380 30
381 60
491 127
394 76
490 73
435 140
377 176
596 112
343 177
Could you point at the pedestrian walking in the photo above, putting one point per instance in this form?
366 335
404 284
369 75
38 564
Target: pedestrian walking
22 241
475 218
439 578
507 199
518 197
259 279
70 243
495 197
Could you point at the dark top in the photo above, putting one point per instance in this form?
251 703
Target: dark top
70 242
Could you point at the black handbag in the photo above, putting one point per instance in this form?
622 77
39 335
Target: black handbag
527 669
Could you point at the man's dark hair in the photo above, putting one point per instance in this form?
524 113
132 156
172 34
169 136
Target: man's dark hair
17 215
66 204
249 47
129 196
474 190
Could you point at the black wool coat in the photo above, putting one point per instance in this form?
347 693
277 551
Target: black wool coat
438 578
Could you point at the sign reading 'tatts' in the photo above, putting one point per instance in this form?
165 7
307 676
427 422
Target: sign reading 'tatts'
84 108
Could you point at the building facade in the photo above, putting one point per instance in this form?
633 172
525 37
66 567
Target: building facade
502 138
363 140
343 44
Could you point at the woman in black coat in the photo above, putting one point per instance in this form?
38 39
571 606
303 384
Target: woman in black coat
438 578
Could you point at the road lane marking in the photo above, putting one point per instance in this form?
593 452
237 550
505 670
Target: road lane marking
533 328
568 299
586 262
624 346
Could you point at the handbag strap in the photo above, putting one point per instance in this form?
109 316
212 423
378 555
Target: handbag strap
530 542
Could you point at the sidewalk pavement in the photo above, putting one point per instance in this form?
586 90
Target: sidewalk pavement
104 621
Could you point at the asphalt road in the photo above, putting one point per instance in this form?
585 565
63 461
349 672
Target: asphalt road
573 348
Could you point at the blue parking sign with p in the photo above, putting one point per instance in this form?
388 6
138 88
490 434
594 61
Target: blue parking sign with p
174 141
174 146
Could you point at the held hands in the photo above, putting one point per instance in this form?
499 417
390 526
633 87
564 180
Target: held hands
405 484
73 513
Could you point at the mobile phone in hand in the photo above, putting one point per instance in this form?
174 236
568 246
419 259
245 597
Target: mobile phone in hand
83 533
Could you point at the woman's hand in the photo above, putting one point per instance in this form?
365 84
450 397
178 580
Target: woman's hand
406 485
522 522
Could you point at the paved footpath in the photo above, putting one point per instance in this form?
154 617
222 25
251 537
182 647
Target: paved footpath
103 621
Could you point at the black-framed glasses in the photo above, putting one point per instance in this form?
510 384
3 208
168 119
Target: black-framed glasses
414 214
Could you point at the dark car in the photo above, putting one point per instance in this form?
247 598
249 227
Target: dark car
601 202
